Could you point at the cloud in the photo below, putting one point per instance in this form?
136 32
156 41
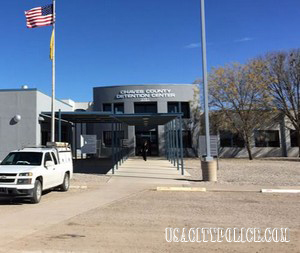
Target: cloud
193 45
245 39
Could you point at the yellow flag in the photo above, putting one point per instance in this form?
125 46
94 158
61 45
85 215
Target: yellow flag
51 45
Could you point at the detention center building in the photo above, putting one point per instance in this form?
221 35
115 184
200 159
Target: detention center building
25 121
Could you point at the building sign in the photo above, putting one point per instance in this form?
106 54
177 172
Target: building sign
214 147
88 144
145 94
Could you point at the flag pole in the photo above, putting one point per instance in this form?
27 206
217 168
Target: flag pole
53 78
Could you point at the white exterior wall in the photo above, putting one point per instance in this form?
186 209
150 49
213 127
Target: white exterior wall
280 123
43 104
15 135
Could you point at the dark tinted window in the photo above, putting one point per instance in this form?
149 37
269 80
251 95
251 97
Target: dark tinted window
107 137
266 138
173 107
145 107
119 108
47 158
294 139
186 138
54 158
106 107
23 158
229 139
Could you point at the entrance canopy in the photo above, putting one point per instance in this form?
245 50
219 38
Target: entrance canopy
171 121
143 119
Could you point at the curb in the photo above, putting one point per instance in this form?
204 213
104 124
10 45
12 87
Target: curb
181 189
279 191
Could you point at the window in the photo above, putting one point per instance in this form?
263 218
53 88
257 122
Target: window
174 107
23 158
266 138
229 139
145 107
294 139
106 107
107 137
54 158
186 138
119 108
47 158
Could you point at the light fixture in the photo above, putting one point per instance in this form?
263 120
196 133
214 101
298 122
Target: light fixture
41 119
17 118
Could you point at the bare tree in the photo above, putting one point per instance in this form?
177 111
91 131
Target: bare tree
239 94
284 84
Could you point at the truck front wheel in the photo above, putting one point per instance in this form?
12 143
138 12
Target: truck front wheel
66 184
37 192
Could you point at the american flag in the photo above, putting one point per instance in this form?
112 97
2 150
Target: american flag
39 16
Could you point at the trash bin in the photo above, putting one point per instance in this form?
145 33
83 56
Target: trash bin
209 170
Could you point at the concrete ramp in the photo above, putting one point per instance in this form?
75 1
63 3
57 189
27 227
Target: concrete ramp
155 170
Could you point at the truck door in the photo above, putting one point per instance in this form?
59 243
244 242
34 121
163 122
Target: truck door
48 178
58 172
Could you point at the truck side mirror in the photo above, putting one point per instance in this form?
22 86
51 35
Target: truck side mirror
49 164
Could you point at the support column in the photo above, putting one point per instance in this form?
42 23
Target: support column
176 141
169 142
80 140
59 125
165 136
116 145
75 141
181 141
112 148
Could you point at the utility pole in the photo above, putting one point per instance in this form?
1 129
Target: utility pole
208 166
204 72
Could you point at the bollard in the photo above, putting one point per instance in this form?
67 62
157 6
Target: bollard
209 170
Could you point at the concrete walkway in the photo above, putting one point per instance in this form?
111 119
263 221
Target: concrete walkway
133 176
155 170
28 219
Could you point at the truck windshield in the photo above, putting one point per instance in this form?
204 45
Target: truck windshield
23 158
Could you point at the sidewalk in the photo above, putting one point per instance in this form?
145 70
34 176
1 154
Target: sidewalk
155 170
28 219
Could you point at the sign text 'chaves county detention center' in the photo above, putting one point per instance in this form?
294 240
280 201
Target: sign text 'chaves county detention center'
145 94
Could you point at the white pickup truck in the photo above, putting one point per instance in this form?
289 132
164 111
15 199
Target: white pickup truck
29 171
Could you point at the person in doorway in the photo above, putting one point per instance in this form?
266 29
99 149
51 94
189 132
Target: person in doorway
145 149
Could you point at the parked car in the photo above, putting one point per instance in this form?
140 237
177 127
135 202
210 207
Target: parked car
29 171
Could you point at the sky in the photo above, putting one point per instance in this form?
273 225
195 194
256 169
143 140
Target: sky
118 42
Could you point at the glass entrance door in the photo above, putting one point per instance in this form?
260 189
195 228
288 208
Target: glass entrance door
149 134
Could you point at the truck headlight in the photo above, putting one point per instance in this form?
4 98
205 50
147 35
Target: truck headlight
25 174
24 181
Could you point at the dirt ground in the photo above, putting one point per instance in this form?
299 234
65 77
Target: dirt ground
137 224
256 172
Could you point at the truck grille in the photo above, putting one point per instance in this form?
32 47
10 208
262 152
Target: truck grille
7 180
8 174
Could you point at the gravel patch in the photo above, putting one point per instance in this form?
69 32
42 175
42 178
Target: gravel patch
89 180
255 172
